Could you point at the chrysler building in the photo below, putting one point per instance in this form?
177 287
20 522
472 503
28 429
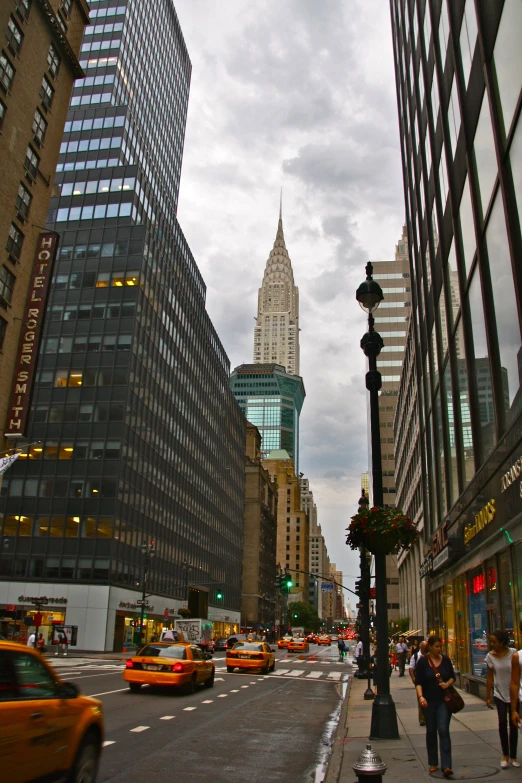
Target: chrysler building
276 334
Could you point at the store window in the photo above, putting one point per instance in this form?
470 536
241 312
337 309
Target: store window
506 587
461 624
477 621
517 562
492 596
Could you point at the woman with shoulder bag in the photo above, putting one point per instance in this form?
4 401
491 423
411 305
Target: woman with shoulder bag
499 675
434 675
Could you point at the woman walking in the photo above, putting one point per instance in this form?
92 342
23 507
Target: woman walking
430 691
499 676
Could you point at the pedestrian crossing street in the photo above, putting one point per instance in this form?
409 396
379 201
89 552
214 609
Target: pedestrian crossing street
303 674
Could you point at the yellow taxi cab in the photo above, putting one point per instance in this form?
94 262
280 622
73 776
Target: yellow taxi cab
284 642
298 645
251 655
178 664
324 640
47 729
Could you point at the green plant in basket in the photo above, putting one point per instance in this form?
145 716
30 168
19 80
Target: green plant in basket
380 530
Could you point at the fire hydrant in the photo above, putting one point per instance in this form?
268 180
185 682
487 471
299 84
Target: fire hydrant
369 766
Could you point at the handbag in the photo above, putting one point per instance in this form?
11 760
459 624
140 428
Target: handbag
452 698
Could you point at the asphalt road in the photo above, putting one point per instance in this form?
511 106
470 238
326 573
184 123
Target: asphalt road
248 728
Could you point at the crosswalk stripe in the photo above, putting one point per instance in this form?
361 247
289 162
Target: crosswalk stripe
334 676
314 675
282 671
295 673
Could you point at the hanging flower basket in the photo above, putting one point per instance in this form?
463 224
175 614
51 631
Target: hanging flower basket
381 530
184 612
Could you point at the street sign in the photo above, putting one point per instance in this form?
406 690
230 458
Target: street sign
373 592
327 586
10 607
142 603
37 619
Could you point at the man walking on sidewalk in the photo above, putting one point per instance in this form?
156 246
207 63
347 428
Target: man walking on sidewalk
359 653
402 651
411 669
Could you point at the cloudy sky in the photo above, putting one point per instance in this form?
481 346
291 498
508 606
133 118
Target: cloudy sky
297 94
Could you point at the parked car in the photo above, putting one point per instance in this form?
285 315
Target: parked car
176 664
251 655
46 726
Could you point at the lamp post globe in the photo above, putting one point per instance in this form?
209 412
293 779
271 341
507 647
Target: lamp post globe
369 294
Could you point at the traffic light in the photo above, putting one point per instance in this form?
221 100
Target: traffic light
358 587
288 583
219 595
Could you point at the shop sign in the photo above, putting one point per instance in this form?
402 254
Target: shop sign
441 558
511 476
439 541
27 355
27 599
485 516
135 606
10 607
426 567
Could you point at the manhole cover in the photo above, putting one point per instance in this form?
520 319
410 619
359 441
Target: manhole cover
468 773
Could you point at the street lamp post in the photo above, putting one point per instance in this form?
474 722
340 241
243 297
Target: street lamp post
149 552
186 569
384 716
365 608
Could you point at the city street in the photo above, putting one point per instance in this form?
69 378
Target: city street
247 727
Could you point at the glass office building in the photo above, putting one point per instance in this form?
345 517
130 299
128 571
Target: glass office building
140 438
459 76
271 399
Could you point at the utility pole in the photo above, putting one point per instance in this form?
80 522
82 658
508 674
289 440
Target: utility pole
149 552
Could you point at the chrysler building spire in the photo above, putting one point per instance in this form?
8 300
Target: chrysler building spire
276 334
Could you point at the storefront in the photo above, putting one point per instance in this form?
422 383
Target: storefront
475 574
107 618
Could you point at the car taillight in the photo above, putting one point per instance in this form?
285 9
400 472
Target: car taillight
232 655
178 667
129 664
258 655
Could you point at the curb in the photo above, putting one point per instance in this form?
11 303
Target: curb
333 771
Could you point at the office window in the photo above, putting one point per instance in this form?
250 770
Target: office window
46 92
467 227
468 39
14 241
23 200
7 281
482 366
508 327
7 72
53 60
66 7
23 7
14 36
31 162
485 156
3 329
507 59
39 126
2 113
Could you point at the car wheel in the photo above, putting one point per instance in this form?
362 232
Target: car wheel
85 765
134 687
230 669
265 669
191 687
210 682
272 668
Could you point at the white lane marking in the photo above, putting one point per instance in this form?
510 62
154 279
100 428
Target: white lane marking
87 676
253 682
219 679
108 742
234 691
334 676
222 695
208 701
106 693
168 717
140 728
295 673
314 675
244 686
189 709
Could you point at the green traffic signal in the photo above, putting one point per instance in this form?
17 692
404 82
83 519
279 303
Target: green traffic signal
219 594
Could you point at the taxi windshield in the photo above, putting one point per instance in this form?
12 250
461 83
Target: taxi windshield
163 651
248 646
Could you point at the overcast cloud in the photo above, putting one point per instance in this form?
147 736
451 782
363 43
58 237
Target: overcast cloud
298 94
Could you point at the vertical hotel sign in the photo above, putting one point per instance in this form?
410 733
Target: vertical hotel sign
27 356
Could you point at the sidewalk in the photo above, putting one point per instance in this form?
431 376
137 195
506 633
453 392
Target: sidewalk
474 737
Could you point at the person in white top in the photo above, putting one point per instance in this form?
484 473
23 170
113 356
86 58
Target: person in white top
515 687
499 665
30 641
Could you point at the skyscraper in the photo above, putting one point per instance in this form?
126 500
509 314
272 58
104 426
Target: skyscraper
271 399
141 438
276 334
459 77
